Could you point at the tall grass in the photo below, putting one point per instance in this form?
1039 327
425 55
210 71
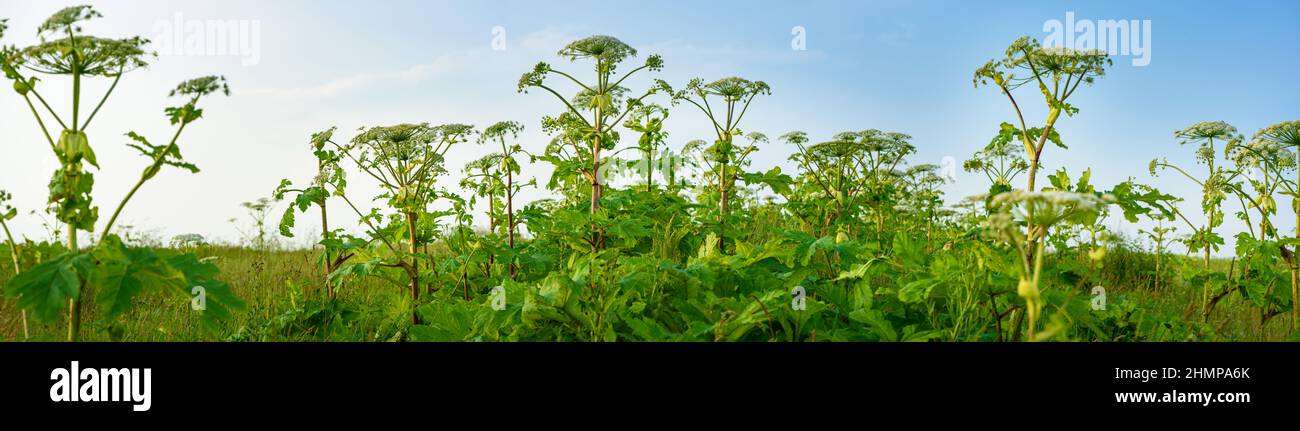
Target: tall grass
287 302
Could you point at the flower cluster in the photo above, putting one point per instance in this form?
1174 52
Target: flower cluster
1041 208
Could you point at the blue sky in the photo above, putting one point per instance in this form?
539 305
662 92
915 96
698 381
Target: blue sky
900 66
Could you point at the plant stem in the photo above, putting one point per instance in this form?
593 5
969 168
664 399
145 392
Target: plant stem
45 131
14 253
510 216
153 167
105 98
1205 297
1034 305
329 263
1295 269
412 268
595 174
74 304
723 208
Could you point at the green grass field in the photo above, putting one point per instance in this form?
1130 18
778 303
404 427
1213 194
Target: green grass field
283 290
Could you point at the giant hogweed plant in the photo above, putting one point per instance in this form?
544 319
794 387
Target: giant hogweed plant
1016 208
1062 211
330 180
648 120
1273 151
721 172
1057 72
733 96
64 50
255 234
924 197
111 270
494 177
480 180
858 172
569 157
1264 166
406 160
881 156
1160 237
470 251
1216 186
591 115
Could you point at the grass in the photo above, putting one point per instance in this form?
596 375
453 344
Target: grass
1129 274
285 303
276 284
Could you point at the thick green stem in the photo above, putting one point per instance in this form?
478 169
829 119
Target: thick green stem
510 215
724 207
74 304
413 269
329 263
649 170
1032 304
76 100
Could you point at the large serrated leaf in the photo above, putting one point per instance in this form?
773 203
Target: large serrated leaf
46 287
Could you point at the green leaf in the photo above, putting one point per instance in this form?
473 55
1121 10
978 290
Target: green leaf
773 178
878 323
45 288
918 290
123 272
220 301
808 250
287 222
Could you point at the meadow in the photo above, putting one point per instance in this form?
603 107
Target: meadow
287 302
645 240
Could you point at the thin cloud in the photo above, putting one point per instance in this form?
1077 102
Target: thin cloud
548 39
366 80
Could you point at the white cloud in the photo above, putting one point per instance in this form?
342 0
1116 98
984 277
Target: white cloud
366 80
547 40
